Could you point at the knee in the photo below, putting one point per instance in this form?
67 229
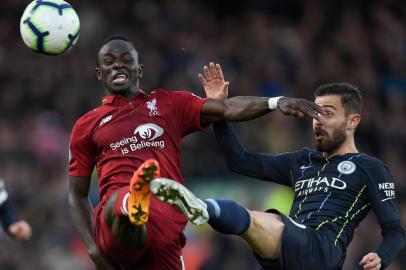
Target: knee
265 234
266 221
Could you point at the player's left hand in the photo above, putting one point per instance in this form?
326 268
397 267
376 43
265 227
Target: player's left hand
371 261
20 230
213 82
300 107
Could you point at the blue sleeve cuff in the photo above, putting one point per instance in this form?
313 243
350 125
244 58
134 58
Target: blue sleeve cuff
8 215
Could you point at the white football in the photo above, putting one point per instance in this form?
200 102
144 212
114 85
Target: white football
49 27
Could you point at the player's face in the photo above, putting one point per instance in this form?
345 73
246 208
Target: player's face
331 132
119 70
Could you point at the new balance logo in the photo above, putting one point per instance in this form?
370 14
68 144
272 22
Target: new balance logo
105 120
151 105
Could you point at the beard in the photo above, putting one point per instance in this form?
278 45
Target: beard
331 143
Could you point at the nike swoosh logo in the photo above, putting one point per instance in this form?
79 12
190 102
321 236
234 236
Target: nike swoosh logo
303 167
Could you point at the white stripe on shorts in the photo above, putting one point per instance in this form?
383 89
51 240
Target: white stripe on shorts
182 262
124 208
297 224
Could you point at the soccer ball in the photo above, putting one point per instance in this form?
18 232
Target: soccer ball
49 27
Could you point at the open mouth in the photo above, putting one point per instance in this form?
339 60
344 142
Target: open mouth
120 78
319 134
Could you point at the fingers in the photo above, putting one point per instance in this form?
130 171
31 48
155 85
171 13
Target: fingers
212 72
225 90
310 109
202 79
219 72
206 71
291 111
307 110
371 261
318 108
20 230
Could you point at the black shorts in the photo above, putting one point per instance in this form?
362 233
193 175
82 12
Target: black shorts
303 248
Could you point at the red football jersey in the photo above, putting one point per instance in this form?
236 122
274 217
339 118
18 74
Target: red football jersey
121 134
118 137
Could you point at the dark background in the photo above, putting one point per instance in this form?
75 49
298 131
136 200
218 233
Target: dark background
266 48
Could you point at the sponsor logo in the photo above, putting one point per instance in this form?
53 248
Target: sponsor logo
323 184
105 120
346 167
149 131
153 110
145 136
388 189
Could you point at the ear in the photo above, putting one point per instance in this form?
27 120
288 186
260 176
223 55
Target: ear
354 120
140 71
98 74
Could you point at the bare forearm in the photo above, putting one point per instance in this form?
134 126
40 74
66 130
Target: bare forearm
234 109
81 212
245 108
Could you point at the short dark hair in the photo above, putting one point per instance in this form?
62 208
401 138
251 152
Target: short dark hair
123 39
351 97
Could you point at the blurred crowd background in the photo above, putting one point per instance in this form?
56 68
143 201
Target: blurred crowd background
266 48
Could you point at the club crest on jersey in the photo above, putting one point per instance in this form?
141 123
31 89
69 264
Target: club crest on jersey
153 110
346 167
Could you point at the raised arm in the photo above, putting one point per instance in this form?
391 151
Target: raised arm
274 168
16 228
243 108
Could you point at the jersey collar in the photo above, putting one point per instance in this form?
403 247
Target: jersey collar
120 100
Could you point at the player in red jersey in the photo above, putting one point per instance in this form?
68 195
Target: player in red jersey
134 129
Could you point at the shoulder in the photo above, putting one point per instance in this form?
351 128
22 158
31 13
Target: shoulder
173 93
90 118
306 152
374 168
369 162
303 153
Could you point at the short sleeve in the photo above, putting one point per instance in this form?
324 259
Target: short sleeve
81 152
187 107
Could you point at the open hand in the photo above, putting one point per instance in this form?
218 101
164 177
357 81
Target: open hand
20 230
300 107
371 261
213 82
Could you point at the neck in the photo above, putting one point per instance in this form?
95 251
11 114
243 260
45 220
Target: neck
345 148
129 93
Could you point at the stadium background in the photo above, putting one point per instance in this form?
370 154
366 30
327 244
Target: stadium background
266 48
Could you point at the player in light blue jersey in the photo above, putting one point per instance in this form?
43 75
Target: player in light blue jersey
16 228
335 187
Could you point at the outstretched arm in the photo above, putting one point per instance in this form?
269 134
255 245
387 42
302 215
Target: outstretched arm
245 107
18 229
274 168
81 211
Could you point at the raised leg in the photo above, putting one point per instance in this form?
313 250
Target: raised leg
127 210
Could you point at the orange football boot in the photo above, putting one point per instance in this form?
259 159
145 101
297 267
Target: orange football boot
138 201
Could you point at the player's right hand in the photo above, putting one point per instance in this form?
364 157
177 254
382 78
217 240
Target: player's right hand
213 82
300 107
